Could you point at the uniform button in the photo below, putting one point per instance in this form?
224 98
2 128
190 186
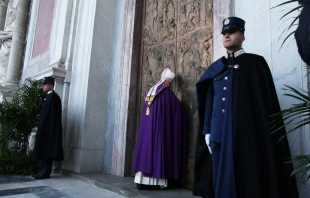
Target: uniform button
223 110
226 78
236 66
225 88
224 99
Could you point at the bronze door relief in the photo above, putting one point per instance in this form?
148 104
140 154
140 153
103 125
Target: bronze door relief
178 34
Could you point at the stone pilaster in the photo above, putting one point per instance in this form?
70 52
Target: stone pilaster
68 62
60 33
18 43
221 10
125 95
84 136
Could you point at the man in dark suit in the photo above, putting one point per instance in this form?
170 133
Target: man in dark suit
48 145
236 156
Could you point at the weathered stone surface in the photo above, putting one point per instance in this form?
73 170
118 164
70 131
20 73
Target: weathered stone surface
18 43
3 11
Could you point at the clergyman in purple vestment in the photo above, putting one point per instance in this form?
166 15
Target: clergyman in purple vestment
161 149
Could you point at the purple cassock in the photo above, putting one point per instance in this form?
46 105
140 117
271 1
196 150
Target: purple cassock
161 149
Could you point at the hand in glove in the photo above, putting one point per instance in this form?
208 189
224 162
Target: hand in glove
207 138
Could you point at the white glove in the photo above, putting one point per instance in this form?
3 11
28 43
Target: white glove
207 138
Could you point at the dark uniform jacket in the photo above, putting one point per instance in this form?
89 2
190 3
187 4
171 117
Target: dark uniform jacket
259 160
302 33
48 144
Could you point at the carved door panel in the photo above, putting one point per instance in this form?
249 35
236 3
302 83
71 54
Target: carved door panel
178 34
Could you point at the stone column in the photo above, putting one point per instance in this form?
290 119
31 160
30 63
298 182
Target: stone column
3 11
18 43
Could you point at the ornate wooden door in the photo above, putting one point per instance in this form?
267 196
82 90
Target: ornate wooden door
178 34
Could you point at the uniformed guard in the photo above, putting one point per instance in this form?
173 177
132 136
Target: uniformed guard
48 143
235 154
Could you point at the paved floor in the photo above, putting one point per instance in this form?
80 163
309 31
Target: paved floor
58 186
126 187
86 185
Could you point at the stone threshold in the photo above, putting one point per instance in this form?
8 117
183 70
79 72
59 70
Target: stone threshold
126 187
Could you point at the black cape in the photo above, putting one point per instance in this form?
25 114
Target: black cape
259 160
302 34
48 144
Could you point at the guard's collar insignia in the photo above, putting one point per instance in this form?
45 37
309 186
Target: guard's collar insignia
235 54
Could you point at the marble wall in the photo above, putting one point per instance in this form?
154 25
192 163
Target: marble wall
89 54
34 65
88 94
263 36
115 61
123 110
43 27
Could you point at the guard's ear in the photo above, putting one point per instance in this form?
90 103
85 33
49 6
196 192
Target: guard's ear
242 38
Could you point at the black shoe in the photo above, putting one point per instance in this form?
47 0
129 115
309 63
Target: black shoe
41 176
147 187
141 187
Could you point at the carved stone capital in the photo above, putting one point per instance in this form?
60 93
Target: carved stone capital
4 2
